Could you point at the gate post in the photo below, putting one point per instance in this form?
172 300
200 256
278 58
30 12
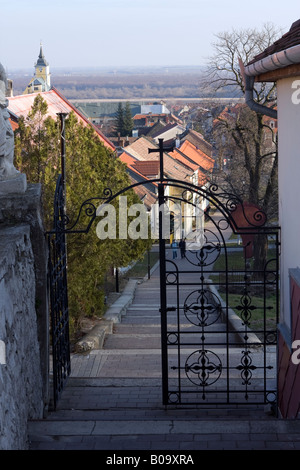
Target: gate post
162 267
163 296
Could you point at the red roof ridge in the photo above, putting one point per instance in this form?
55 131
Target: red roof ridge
84 118
63 105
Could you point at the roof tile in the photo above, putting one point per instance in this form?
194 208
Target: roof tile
289 39
199 157
147 167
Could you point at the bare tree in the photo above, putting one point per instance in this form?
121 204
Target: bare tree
247 155
223 67
243 136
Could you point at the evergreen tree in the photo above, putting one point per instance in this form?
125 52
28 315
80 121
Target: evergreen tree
90 168
119 120
128 121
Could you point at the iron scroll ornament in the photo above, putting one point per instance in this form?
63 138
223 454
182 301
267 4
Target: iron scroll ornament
227 203
202 308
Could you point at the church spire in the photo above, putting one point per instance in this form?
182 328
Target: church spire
41 59
41 80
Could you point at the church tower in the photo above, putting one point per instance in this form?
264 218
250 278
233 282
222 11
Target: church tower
41 80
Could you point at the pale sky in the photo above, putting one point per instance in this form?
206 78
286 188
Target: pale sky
84 33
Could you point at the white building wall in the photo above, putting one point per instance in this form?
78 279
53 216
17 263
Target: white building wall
289 186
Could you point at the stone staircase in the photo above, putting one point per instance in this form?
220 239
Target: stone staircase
113 400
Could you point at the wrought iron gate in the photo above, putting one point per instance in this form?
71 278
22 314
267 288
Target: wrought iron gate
59 312
218 313
219 306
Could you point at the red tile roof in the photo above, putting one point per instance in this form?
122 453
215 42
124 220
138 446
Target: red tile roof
126 158
148 168
131 162
57 103
196 155
149 197
183 159
198 140
178 155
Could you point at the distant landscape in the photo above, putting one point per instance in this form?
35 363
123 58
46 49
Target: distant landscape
131 83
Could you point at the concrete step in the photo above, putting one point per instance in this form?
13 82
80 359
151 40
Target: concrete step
188 328
140 398
150 426
182 437
153 341
125 414
126 341
146 362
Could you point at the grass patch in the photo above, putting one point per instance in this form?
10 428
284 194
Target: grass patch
140 269
257 320
265 302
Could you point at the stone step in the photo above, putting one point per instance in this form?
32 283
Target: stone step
146 362
165 429
131 408
127 341
149 341
118 327
166 426
127 414
140 398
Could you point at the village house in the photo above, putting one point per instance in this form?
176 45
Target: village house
198 141
186 163
142 171
169 132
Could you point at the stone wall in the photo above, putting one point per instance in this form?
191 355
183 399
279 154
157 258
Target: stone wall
23 317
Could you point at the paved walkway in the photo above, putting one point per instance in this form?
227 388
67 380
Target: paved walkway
113 400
